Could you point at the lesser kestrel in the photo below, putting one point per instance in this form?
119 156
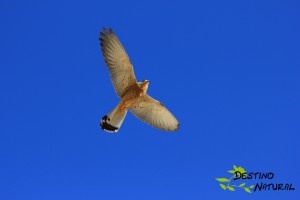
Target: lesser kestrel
132 93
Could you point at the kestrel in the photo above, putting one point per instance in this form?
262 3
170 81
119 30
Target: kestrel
132 93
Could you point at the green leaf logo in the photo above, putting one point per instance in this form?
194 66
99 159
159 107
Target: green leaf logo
232 187
223 186
222 180
242 184
247 190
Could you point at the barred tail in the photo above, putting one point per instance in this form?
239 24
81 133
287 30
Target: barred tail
113 120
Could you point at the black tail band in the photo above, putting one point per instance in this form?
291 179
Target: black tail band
106 126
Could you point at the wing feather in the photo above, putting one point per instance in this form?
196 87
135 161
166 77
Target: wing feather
154 113
117 61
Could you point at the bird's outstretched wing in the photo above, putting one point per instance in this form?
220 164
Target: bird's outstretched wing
154 113
117 61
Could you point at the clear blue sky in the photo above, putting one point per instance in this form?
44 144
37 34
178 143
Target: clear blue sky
228 70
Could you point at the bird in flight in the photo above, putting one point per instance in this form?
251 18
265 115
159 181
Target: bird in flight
132 93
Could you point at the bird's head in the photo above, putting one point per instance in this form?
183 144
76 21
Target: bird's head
144 85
